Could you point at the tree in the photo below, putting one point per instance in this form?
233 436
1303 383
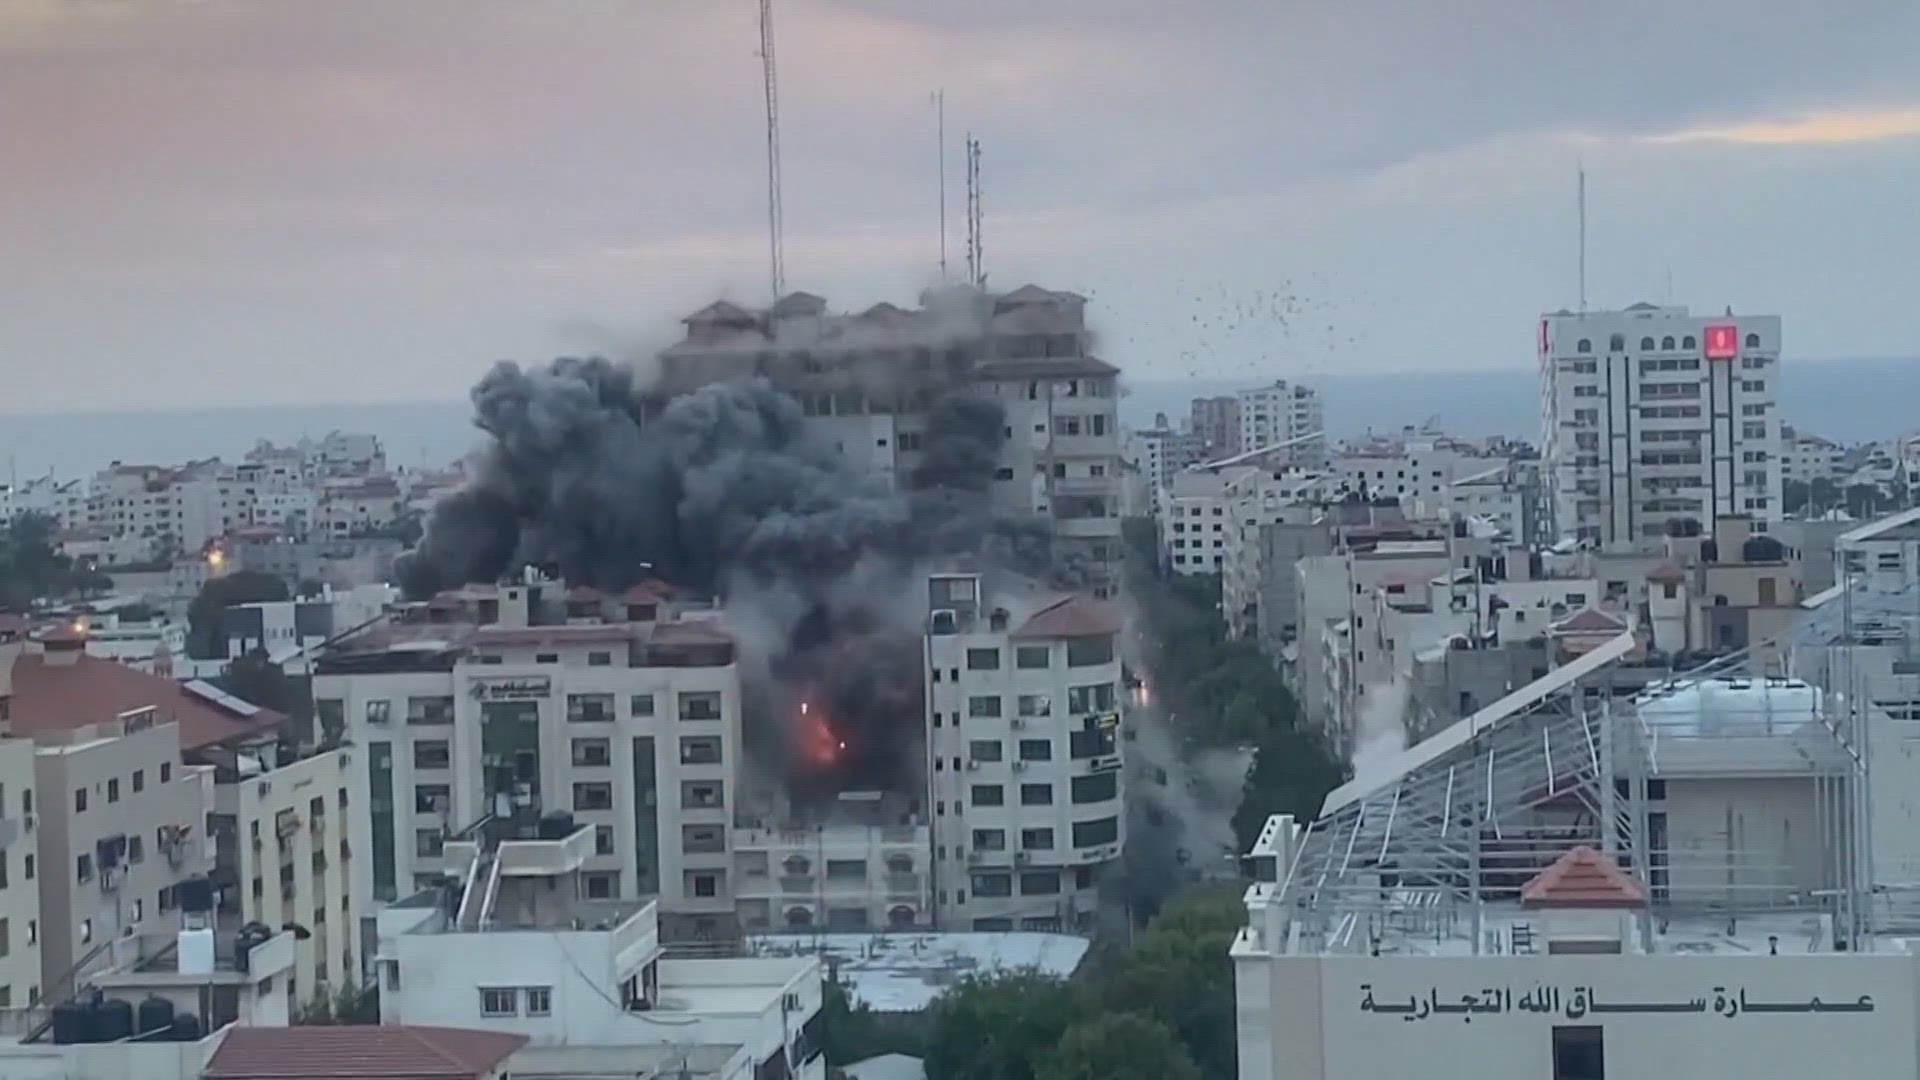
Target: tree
352 1005
206 635
1119 1046
996 1027
256 679
1292 772
32 569
851 1031
1178 973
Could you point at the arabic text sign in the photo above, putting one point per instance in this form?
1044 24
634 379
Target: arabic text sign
1576 1002
512 689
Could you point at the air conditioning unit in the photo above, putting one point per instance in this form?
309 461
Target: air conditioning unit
1016 723
1021 858
1019 766
973 766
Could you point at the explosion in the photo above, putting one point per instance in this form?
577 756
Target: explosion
722 492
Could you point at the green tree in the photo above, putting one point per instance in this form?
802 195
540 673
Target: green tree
1119 1046
206 635
31 569
1292 772
1177 973
996 1027
851 1031
256 679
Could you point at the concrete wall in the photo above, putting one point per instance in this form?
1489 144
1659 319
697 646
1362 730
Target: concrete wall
1317 1024
20 898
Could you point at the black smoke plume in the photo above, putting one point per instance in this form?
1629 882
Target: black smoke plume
722 492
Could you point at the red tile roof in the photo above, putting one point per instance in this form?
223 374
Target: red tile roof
1072 616
1583 878
63 696
359 1052
1666 573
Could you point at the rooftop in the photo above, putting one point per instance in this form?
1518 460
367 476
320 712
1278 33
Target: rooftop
352 1052
70 693
906 972
1583 878
1072 616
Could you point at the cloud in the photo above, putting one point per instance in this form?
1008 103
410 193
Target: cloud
1814 129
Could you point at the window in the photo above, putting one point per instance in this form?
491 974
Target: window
1093 833
139 781
27 867
79 800
700 750
1646 344
1753 341
983 795
702 795
379 712
993 884
1667 342
499 1001
432 754
603 839
983 659
1030 657
984 750
640 705
597 659
539 1001
1036 839
1617 342
86 928
593 796
700 705
1036 794
1040 883
166 772
432 798
1688 342
1579 1052
1098 697
1086 652
83 868
1036 750
1096 788
601 886
1035 705
546 658
430 710
983 705
589 708
989 839
1583 346
703 839
136 851
429 843
592 753
706 884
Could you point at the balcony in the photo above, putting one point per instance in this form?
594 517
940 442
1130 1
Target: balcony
797 883
530 857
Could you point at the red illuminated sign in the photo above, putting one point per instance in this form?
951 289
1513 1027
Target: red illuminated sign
1723 342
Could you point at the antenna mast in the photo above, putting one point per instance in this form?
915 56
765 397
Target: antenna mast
775 247
940 112
1582 199
976 260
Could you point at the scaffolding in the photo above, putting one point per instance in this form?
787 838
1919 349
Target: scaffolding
1415 855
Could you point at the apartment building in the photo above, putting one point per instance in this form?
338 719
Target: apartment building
1807 457
1023 757
1193 520
1417 473
518 948
1161 451
1653 414
1255 501
20 965
1215 423
357 504
1028 349
527 700
281 831
289 631
1283 414
120 794
845 875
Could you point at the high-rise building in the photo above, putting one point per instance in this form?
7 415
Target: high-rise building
1023 755
1283 413
868 381
1652 414
1215 421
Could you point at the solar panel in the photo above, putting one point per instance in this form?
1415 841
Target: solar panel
203 689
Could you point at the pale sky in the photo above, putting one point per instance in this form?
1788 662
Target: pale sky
236 201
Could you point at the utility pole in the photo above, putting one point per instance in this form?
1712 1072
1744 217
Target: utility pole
775 246
976 260
940 122
1581 198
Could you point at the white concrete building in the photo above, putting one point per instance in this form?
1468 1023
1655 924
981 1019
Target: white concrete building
1023 756
514 947
1193 520
1283 412
20 971
842 875
1807 457
517 703
1652 414
1418 473
1881 556
1255 500
290 631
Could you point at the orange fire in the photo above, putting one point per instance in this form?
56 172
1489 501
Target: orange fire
822 747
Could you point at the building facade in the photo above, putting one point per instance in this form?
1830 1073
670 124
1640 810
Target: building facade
1280 414
516 703
1023 758
1653 414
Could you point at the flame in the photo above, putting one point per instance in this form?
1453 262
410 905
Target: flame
820 744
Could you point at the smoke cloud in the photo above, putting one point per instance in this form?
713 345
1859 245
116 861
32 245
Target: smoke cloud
723 492
1380 730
